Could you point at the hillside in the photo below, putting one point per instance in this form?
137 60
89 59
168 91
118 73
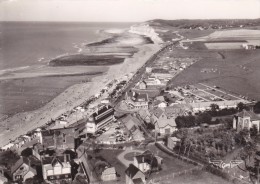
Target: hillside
206 24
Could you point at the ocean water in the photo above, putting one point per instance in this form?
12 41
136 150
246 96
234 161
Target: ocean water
25 44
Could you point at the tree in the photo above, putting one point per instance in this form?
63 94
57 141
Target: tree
240 106
214 107
253 131
257 107
203 118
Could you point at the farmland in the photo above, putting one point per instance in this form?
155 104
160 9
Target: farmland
238 71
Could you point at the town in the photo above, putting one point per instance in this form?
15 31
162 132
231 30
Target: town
142 129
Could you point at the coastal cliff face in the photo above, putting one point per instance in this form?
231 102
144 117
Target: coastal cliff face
146 30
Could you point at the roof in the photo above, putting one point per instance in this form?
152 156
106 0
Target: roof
102 113
174 139
160 98
138 97
157 112
20 162
138 181
110 170
145 157
130 121
131 171
163 122
54 159
250 114
144 113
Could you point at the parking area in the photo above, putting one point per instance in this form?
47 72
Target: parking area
201 92
112 134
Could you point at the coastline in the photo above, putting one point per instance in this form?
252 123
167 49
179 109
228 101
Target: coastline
72 96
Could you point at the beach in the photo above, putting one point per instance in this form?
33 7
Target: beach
73 96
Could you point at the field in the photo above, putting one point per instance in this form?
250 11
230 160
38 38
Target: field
224 45
229 39
198 177
238 70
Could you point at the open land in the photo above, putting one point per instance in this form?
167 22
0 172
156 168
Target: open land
235 70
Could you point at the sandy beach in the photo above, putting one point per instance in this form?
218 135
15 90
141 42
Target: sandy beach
75 95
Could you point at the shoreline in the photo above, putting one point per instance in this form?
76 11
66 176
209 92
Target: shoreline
72 96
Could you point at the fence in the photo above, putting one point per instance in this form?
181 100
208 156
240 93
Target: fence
199 166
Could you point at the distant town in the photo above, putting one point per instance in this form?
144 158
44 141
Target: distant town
142 128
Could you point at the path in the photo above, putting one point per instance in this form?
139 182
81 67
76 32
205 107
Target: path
121 156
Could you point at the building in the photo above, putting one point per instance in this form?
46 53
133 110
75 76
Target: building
58 139
109 174
165 126
172 142
164 121
145 115
132 125
22 170
136 100
99 119
203 106
154 83
142 85
148 69
147 161
38 151
56 168
3 179
134 175
246 120
63 138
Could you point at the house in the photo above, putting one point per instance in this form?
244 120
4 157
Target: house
22 170
148 69
136 100
99 119
246 119
132 125
164 121
142 85
58 138
147 161
56 167
172 142
160 102
63 138
145 115
3 179
154 83
109 174
39 151
134 175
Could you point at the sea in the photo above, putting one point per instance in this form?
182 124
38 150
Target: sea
25 44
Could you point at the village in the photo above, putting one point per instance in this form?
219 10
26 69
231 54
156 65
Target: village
136 128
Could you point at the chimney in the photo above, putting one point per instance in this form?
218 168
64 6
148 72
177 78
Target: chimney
65 158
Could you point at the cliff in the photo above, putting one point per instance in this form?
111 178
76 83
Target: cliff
146 30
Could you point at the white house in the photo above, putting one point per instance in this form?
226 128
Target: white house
56 168
246 120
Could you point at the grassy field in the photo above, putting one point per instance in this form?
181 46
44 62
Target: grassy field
238 70
198 177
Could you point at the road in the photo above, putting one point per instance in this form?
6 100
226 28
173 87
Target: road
138 75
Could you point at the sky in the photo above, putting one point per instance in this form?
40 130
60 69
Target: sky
126 10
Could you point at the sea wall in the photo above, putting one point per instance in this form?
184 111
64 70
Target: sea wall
146 30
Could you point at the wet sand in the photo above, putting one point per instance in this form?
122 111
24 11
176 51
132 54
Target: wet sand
73 96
